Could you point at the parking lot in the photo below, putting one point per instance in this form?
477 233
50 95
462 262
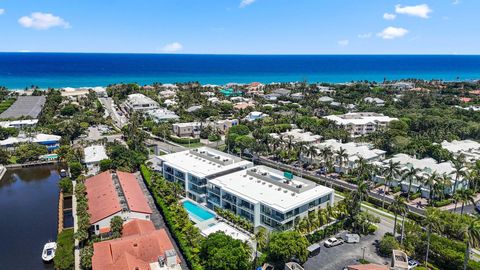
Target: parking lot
346 254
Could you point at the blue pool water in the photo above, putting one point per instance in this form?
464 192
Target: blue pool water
198 213
19 70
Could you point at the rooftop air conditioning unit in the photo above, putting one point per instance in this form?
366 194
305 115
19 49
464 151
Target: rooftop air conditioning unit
285 191
217 157
264 173
161 261
299 186
254 170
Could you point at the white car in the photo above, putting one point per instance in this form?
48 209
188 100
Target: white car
332 242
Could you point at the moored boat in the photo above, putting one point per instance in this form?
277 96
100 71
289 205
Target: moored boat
49 251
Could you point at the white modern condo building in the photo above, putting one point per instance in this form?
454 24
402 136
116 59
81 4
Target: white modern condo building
267 197
361 123
194 168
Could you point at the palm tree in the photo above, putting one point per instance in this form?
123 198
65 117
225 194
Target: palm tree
312 152
465 196
358 196
326 154
459 170
410 174
472 238
398 207
392 170
432 221
430 182
361 167
342 156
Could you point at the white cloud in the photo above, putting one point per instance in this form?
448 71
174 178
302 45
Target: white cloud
172 47
393 32
2 11
245 3
24 51
421 11
343 43
365 35
456 2
389 16
42 21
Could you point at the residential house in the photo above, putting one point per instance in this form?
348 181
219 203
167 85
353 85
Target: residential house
361 123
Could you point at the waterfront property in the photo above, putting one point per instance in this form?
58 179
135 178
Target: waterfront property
92 157
426 167
25 106
140 103
52 142
194 168
113 194
140 247
267 197
354 151
468 148
361 123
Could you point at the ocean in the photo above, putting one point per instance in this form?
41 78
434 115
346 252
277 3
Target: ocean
20 70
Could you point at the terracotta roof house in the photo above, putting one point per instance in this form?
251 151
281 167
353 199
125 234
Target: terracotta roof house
141 247
112 194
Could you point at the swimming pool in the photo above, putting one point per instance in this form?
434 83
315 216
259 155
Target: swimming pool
196 212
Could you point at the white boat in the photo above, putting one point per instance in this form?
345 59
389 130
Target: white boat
49 251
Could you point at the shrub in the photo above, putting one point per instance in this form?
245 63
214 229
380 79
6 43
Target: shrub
66 185
387 244
183 140
442 203
371 229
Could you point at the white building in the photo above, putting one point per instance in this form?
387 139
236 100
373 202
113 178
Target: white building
167 94
326 99
426 166
361 123
19 124
298 135
92 157
140 102
162 115
267 197
354 152
468 148
189 129
194 168
254 116
52 142
377 101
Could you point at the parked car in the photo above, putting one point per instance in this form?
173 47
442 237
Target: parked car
351 238
412 263
313 250
332 242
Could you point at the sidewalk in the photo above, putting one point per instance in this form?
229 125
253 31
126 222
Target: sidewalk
75 227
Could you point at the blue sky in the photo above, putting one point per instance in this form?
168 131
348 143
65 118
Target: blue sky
241 26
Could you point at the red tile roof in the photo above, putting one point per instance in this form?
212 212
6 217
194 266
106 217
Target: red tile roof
133 193
137 226
102 197
135 251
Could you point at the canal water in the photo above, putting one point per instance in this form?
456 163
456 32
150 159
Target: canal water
29 212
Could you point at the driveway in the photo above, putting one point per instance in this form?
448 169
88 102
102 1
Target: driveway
347 254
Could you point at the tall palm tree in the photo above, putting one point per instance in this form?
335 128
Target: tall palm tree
342 156
430 182
465 196
398 207
390 172
410 174
471 235
358 196
432 222
459 170
326 154
361 166
312 152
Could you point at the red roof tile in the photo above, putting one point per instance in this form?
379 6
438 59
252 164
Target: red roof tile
135 251
137 226
102 197
133 193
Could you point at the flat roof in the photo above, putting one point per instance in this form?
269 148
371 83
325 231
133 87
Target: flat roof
360 118
353 150
204 161
228 230
95 153
268 186
6 124
26 106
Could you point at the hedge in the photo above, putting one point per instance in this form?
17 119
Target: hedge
183 140
169 220
442 203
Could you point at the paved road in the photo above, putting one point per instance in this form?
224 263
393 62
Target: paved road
118 120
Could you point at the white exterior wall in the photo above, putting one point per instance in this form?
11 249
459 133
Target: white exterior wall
125 216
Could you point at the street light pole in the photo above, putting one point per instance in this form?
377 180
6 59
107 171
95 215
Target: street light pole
363 256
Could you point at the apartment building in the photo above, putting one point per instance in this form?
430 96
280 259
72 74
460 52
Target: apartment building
361 123
267 197
140 103
193 169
